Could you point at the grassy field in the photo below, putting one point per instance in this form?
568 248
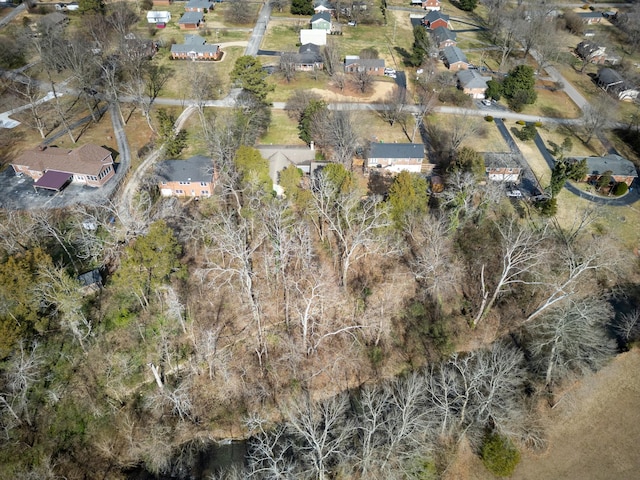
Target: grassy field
282 131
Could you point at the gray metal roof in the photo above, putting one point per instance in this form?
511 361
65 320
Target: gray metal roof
441 34
194 43
615 163
191 17
199 4
608 76
590 14
326 16
454 55
434 15
472 79
396 150
195 169
309 53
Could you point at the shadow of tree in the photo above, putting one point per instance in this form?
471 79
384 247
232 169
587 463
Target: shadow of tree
406 55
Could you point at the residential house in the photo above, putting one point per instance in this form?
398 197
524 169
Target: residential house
54 168
186 178
282 156
321 21
321 6
158 17
373 66
435 19
502 167
317 37
202 6
472 83
67 7
454 58
590 17
595 53
191 20
443 37
431 5
195 48
396 157
612 82
308 58
622 170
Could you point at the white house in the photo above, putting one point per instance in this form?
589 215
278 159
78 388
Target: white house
154 16
317 37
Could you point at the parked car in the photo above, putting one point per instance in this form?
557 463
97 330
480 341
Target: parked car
352 23
389 70
391 75
486 102
514 194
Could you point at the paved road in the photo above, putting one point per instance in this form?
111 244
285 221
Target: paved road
16 11
528 183
259 30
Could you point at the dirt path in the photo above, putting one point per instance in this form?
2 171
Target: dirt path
126 199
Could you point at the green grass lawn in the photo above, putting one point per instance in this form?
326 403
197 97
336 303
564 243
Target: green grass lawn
282 35
281 131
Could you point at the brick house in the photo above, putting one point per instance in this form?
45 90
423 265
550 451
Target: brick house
435 19
195 48
202 6
191 20
308 58
472 83
454 58
443 37
501 167
396 157
54 168
590 17
186 178
373 66
622 170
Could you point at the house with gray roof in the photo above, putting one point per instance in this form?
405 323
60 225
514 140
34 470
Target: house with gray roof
283 156
321 21
443 37
622 170
590 17
435 19
354 64
472 83
454 58
191 20
195 48
396 157
203 6
614 83
308 58
186 178
320 6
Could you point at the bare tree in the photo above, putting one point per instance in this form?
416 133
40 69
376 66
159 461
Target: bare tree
268 451
596 115
355 224
288 65
144 84
394 106
331 56
571 338
32 93
339 80
628 325
322 432
297 103
23 370
521 252
362 80
337 131
466 200
238 12
203 81
433 254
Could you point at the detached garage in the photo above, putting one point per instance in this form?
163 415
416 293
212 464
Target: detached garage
53 180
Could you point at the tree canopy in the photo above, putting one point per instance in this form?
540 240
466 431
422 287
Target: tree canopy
250 75
408 198
253 168
519 87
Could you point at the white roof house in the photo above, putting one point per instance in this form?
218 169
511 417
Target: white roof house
317 37
154 16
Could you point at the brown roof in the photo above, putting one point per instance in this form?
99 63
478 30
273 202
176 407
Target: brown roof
86 160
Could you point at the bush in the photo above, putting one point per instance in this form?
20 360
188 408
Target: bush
548 207
537 124
620 189
489 118
499 455
521 122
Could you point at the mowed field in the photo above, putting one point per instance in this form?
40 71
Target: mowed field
593 432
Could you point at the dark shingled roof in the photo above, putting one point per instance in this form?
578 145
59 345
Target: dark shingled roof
53 180
396 150
321 16
441 34
454 55
195 169
191 17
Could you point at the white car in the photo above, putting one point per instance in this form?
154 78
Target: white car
391 75
514 193
388 70
352 23
486 102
